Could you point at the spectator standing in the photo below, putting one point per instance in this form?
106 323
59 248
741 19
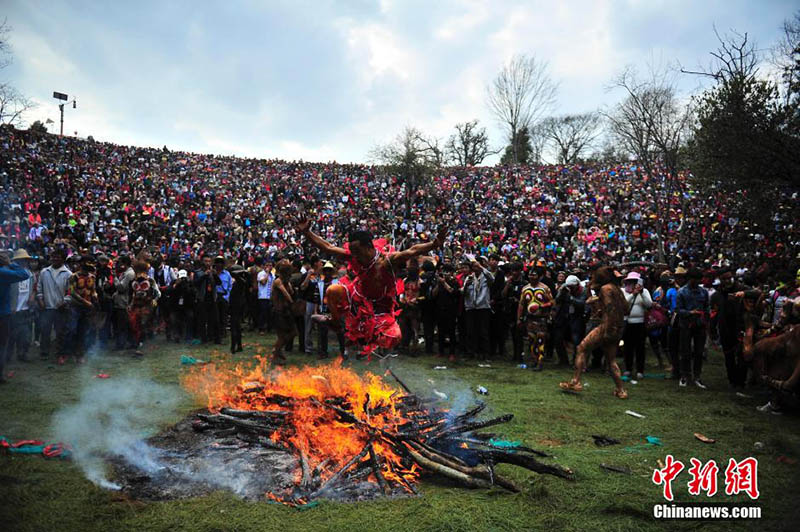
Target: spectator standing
478 307
23 299
10 273
206 281
730 314
498 326
693 311
51 291
282 299
659 336
308 292
427 280
183 305
446 296
105 294
237 304
409 309
512 290
265 280
223 293
639 302
82 294
122 287
299 306
322 285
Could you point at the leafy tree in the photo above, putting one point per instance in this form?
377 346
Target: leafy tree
519 150
38 128
743 134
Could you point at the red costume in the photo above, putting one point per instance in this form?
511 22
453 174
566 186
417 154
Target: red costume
370 311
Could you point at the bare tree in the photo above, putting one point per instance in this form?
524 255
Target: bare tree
13 104
736 56
520 96
537 134
785 55
413 156
469 145
652 124
571 134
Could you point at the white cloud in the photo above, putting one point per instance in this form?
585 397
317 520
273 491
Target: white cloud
377 51
462 25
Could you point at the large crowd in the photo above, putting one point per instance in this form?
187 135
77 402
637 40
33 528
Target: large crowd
109 245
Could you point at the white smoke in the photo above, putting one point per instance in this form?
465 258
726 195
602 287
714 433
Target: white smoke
113 417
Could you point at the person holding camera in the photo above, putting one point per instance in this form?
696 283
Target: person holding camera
446 293
639 302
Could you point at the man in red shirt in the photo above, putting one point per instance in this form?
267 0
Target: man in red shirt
366 297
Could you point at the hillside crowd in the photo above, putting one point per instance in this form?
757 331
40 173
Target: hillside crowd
108 245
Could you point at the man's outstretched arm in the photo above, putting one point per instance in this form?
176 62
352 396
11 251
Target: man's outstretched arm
304 227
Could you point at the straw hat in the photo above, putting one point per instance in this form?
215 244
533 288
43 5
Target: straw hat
21 254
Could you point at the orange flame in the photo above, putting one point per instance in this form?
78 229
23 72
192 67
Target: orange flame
311 428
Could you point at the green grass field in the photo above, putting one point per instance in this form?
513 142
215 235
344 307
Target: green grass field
39 494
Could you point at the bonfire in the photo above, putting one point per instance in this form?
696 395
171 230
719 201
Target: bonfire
344 428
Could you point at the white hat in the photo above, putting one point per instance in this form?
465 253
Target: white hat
182 274
572 280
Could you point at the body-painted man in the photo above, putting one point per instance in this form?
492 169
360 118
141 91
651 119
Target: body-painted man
535 304
365 298
605 336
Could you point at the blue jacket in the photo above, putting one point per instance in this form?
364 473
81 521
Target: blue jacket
692 299
13 273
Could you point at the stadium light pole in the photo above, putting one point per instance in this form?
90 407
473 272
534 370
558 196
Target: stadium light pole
64 98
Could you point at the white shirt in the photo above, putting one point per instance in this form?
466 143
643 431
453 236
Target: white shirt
24 293
640 306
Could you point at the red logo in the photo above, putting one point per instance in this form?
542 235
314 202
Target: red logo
742 477
667 475
703 479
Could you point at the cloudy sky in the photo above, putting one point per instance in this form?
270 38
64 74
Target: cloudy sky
328 80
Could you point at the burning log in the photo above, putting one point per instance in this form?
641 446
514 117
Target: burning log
331 481
449 472
469 427
254 413
377 469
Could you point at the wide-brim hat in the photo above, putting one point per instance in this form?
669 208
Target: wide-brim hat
21 254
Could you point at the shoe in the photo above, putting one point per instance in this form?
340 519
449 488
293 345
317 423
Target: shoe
622 394
769 408
682 383
571 386
639 376
700 384
61 360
